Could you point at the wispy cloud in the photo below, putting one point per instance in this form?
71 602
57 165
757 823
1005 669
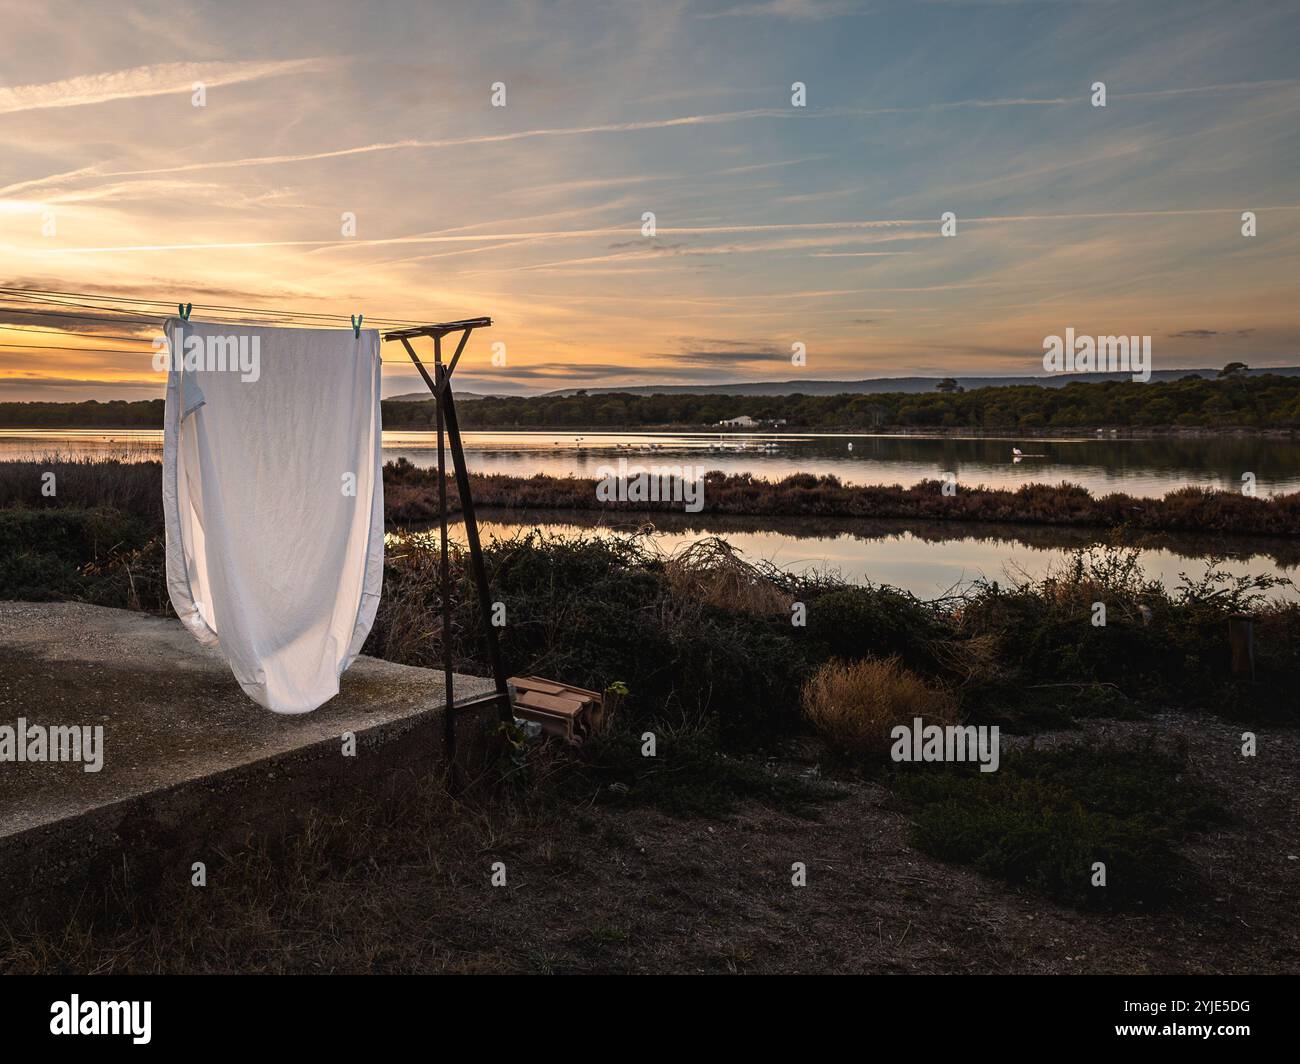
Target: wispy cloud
156 80
683 121
795 10
542 235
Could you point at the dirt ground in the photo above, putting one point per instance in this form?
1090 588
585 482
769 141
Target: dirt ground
662 895
601 885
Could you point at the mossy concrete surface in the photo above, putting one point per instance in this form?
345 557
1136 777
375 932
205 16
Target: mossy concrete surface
188 760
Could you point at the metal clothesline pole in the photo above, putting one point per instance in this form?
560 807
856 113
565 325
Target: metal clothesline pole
447 423
444 567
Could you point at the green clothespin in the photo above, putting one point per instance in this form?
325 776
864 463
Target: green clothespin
357 319
185 309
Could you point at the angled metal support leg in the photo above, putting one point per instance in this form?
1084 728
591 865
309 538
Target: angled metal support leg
476 555
448 428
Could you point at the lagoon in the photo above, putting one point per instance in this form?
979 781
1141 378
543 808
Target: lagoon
1148 466
930 559
927 558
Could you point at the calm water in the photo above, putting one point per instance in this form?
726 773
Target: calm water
1144 467
927 558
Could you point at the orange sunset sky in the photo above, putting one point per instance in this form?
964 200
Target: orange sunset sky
776 224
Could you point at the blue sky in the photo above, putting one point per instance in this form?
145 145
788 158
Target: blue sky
776 224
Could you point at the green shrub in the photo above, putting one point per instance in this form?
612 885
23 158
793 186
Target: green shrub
44 551
1045 817
35 576
861 622
75 535
702 781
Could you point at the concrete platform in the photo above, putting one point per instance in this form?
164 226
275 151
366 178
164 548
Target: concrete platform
188 758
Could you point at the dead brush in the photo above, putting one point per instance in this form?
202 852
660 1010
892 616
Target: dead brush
854 705
408 624
711 571
972 662
1109 573
138 576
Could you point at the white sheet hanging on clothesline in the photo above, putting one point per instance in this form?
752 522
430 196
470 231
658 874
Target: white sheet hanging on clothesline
273 492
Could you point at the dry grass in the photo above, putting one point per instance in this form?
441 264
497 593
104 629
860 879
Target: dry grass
854 705
408 624
711 571
131 487
969 662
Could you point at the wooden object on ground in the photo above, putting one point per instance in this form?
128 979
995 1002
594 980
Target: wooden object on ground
573 713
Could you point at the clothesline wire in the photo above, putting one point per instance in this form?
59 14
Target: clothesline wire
35 302
63 298
25 329
65 348
37 308
119 319
77 317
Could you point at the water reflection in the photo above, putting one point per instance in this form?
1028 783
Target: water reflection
927 558
1145 467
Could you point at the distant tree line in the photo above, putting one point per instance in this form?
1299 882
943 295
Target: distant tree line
118 414
1261 402
1234 400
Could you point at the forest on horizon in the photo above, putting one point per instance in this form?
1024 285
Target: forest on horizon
1234 401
